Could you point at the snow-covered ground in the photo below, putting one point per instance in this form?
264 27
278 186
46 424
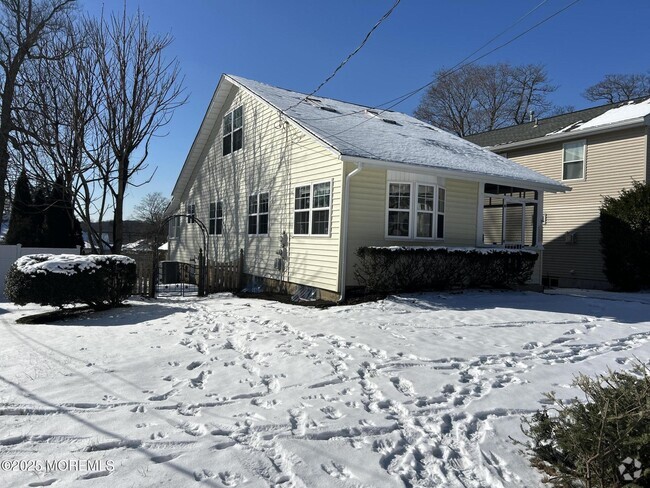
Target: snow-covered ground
415 390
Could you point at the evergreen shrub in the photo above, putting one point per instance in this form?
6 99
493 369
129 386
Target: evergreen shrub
602 441
625 238
397 269
100 282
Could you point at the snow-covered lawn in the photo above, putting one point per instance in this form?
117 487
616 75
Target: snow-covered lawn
415 390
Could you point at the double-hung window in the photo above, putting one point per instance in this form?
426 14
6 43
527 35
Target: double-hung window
175 227
258 213
415 211
191 212
312 209
233 132
215 221
573 160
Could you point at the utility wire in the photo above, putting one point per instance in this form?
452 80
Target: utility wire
344 62
408 95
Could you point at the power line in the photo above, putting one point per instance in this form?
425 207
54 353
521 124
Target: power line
345 61
408 95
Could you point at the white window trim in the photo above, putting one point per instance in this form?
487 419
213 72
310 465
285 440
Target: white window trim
413 211
257 214
174 223
311 209
232 131
584 160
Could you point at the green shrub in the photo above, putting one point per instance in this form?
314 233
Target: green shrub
98 281
603 441
625 238
414 269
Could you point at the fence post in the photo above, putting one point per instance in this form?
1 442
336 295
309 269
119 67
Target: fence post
240 274
201 274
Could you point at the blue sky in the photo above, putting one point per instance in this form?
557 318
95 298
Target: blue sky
296 44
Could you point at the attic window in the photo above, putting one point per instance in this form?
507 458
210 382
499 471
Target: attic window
330 109
391 122
233 131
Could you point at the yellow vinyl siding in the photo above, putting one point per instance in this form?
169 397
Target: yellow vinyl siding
612 161
275 158
367 217
460 216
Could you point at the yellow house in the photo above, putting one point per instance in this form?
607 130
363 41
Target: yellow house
299 183
597 152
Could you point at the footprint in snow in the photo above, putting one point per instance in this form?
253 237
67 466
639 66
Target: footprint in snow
331 413
231 479
404 386
337 470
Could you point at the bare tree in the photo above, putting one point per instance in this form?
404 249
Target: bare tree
479 98
619 88
151 210
26 29
139 89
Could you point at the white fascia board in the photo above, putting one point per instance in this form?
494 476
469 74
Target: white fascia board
202 136
296 124
458 175
573 134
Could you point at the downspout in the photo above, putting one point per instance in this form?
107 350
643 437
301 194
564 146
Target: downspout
344 229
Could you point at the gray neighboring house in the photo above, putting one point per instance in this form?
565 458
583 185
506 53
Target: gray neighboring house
597 152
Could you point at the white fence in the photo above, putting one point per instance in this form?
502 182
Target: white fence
9 254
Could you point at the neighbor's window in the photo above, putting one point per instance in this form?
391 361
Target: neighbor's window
312 209
233 133
258 213
415 211
573 160
215 224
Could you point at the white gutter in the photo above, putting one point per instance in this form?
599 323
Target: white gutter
572 134
458 175
344 229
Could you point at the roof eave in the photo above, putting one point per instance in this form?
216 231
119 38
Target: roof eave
457 174
627 124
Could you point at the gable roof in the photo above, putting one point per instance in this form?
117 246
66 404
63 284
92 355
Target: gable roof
601 118
357 132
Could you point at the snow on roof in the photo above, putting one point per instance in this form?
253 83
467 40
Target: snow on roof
630 111
358 131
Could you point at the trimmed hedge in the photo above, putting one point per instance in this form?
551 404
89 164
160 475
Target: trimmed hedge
100 282
381 269
625 238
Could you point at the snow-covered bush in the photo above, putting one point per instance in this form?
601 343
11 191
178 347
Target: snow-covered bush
47 279
394 269
603 441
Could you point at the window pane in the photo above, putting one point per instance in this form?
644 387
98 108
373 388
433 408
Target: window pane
441 200
425 225
322 195
321 222
237 139
219 210
219 226
440 231
573 171
399 195
398 224
227 148
227 124
574 151
264 224
264 203
237 118
212 226
302 197
425 198
252 204
301 223
252 224
213 210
